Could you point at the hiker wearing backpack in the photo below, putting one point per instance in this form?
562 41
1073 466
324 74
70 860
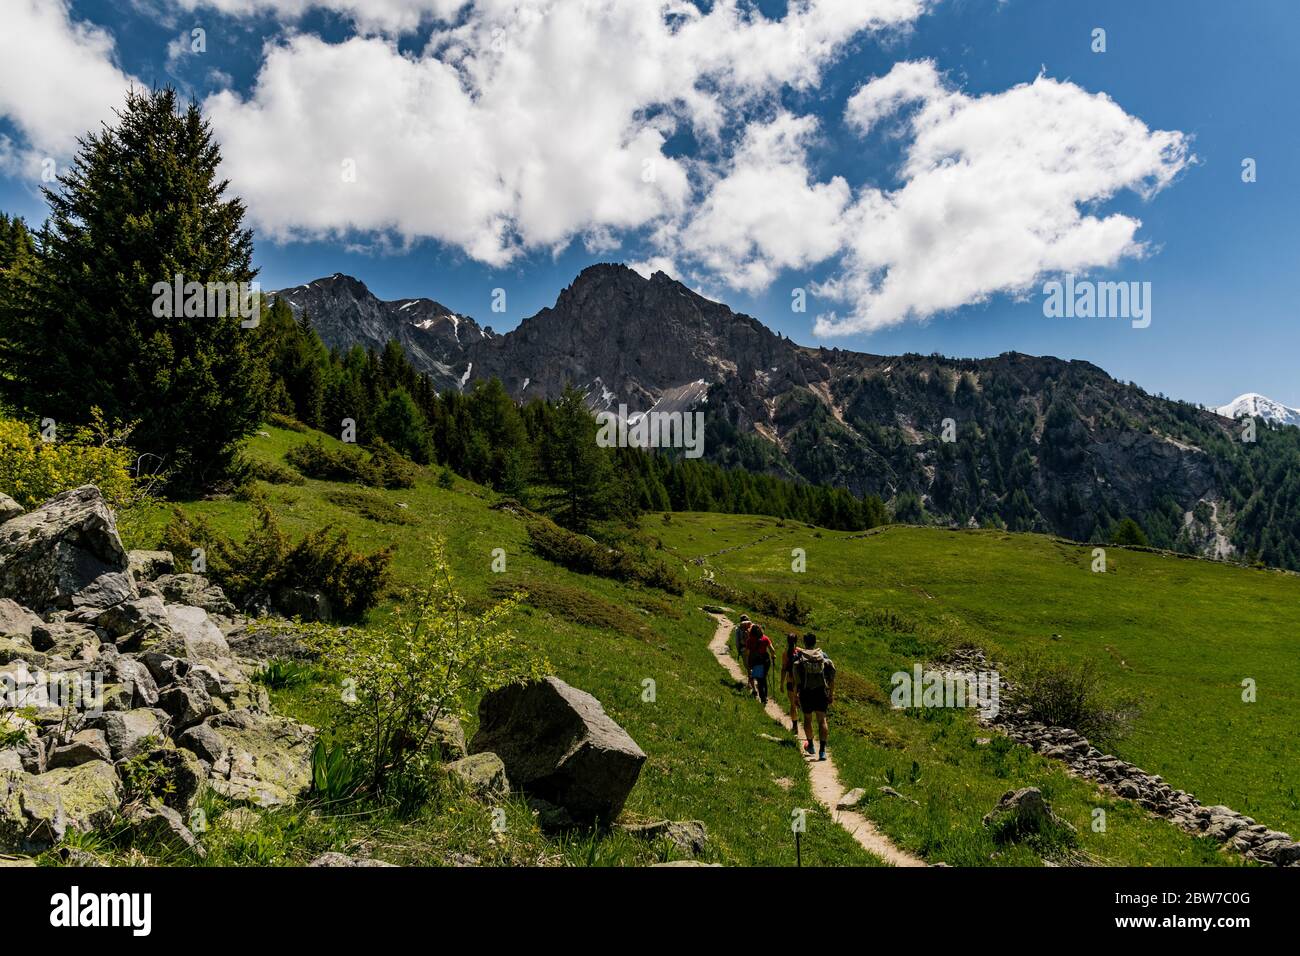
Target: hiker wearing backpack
758 660
787 678
742 648
815 678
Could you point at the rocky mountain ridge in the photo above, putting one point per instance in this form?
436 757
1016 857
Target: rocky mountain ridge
1034 443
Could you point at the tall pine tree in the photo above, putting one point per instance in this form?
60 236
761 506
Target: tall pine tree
140 204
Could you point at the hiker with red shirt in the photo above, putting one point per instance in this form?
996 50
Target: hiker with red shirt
758 659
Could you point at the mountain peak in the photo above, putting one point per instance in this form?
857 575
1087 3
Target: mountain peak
1255 405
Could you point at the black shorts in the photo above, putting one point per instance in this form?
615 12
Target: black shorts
812 700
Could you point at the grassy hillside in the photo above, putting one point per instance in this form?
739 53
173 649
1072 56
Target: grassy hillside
1180 635
707 759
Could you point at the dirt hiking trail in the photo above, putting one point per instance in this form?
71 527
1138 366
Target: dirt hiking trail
825 779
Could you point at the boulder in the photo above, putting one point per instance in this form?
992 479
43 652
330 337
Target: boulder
195 591
132 732
688 836
143 618
16 620
65 639
187 702
163 825
37 810
150 565
448 736
304 604
8 508
65 555
199 638
255 758
1021 813
558 743
18 649
267 644
483 773
82 747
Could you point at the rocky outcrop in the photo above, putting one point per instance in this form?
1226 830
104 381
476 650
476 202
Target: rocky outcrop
65 555
107 674
558 743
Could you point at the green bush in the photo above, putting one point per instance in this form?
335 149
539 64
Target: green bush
432 658
265 561
280 674
1064 694
370 505
586 556
273 473
384 468
32 470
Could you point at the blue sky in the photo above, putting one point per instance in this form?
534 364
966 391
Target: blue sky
1220 254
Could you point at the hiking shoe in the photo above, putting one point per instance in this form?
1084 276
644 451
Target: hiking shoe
822 755
807 748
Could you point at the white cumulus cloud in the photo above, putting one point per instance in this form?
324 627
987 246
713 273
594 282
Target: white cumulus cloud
997 191
523 124
58 80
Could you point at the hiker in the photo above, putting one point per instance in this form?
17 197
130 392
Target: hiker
787 678
758 660
741 638
815 678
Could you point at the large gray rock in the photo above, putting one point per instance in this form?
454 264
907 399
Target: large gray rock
1023 813
37 810
150 565
65 555
65 639
141 614
161 825
82 747
16 620
8 508
304 604
200 639
132 732
558 743
333 859
483 773
196 591
255 758
187 701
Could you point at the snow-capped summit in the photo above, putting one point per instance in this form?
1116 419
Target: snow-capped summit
1258 406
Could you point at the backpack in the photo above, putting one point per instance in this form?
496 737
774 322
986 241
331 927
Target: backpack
812 670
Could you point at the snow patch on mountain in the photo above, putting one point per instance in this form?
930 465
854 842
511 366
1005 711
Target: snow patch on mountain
1260 406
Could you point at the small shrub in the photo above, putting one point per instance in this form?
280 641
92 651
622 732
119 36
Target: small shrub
33 470
579 553
384 468
764 602
1063 694
280 674
446 479
273 473
369 505
288 422
265 561
433 657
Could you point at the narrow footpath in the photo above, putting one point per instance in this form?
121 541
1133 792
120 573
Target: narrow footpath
825 779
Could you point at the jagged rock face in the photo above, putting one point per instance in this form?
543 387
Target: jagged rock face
345 313
65 554
628 340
